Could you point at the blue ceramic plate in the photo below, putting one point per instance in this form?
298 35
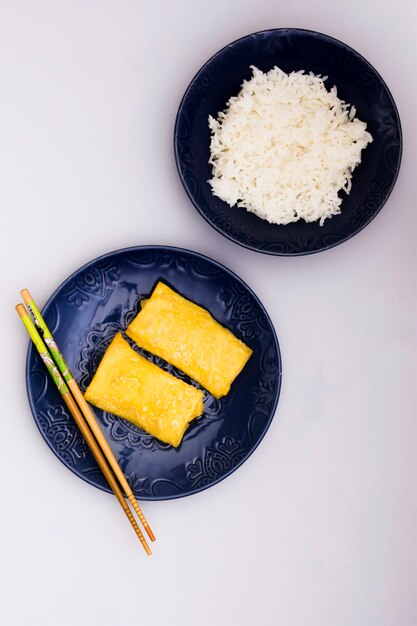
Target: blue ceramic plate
102 298
357 82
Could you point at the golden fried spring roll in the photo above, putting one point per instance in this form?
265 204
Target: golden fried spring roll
187 336
131 387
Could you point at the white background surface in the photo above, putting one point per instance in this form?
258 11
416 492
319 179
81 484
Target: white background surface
317 528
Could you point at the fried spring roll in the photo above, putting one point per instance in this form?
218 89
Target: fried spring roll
187 336
131 387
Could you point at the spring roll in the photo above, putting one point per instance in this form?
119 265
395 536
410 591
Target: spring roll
128 385
187 336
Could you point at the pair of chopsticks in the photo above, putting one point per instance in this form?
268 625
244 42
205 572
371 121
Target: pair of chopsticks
81 412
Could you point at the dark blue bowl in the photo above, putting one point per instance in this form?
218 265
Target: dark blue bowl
357 82
99 300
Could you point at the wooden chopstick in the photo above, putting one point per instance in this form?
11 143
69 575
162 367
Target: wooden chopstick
84 407
79 420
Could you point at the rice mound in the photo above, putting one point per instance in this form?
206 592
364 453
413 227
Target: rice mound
285 146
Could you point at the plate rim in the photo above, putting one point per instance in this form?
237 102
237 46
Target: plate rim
323 36
31 351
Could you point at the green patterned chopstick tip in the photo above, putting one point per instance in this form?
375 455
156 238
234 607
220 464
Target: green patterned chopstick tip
42 349
47 335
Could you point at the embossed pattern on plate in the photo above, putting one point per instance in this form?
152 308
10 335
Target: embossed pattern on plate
100 299
357 83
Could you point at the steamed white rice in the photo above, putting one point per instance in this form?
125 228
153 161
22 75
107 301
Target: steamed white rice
285 146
